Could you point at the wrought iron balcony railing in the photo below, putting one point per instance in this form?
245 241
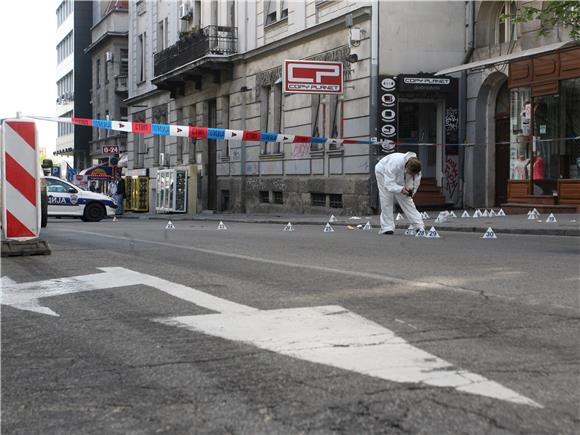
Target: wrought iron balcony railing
211 40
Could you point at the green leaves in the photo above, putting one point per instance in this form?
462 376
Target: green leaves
563 13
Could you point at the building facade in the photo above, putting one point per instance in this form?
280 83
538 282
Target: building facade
110 70
219 64
73 78
522 111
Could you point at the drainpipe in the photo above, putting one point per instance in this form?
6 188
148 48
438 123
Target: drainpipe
373 92
463 101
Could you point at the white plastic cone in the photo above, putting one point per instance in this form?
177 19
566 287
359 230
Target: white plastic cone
492 213
535 210
288 227
399 217
551 219
221 226
115 219
485 214
169 226
410 231
328 228
367 226
489 234
501 212
433 234
465 214
332 218
452 214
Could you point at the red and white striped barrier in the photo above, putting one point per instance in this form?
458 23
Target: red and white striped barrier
21 206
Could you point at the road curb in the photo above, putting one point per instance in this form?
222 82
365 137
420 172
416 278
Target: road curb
565 232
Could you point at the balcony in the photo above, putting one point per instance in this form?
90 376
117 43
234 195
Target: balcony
196 53
121 84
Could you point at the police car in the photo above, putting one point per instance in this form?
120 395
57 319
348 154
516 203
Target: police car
66 199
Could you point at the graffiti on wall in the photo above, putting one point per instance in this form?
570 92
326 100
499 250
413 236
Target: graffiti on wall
451 178
300 150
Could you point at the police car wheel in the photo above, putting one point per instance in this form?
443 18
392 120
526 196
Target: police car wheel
94 212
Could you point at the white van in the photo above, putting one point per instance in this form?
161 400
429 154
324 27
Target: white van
66 199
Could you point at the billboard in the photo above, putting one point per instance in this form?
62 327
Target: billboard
303 76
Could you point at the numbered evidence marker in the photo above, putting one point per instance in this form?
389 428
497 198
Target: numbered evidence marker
489 234
551 219
399 217
492 213
465 214
410 231
330 335
115 219
485 214
328 228
221 226
501 212
367 226
332 218
420 233
452 214
433 234
169 226
288 227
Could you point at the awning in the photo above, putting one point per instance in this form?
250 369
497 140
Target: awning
99 172
507 57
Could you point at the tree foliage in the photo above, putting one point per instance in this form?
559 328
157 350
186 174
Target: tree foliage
553 13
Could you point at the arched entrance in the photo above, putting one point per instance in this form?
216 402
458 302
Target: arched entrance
502 146
484 164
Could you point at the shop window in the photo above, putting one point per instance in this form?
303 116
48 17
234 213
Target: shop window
318 199
264 196
335 200
225 200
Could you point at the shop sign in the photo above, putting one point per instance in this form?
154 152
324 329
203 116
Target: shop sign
388 108
300 76
425 83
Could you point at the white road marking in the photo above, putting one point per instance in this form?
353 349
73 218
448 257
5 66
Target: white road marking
329 335
25 296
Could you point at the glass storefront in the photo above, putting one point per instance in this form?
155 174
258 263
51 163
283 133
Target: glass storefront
552 153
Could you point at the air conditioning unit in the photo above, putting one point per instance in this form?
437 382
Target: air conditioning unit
109 56
185 12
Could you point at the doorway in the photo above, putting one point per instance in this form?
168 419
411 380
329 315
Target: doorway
502 145
211 158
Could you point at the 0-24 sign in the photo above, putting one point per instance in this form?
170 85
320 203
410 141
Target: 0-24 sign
302 76
111 149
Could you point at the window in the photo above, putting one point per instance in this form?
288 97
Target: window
64 47
65 89
335 200
64 129
141 41
264 197
55 186
275 10
180 140
160 36
124 68
264 114
226 121
271 101
139 150
106 72
318 199
315 119
505 26
98 73
278 197
63 11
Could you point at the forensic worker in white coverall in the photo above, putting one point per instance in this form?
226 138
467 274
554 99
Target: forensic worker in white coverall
398 177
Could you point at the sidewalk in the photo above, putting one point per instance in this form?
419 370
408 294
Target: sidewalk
567 224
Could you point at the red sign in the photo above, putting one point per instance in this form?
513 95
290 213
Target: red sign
111 149
302 76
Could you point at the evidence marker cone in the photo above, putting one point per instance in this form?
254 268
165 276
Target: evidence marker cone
328 228
433 234
169 226
489 234
332 218
221 226
410 231
551 219
465 214
288 227
367 226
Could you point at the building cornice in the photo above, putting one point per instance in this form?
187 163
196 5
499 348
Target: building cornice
104 37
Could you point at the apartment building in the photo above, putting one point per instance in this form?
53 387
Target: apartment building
110 70
219 64
73 78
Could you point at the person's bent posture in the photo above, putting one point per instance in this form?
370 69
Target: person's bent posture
398 177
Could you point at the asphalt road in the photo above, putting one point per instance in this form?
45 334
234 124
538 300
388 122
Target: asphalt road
130 358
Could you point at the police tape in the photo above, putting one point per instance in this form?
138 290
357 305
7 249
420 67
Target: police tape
195 132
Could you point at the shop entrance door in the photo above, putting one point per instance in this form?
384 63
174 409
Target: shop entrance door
502 159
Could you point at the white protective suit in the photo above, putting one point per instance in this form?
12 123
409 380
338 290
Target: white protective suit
391 178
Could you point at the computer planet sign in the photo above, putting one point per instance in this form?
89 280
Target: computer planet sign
388 107
302 76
